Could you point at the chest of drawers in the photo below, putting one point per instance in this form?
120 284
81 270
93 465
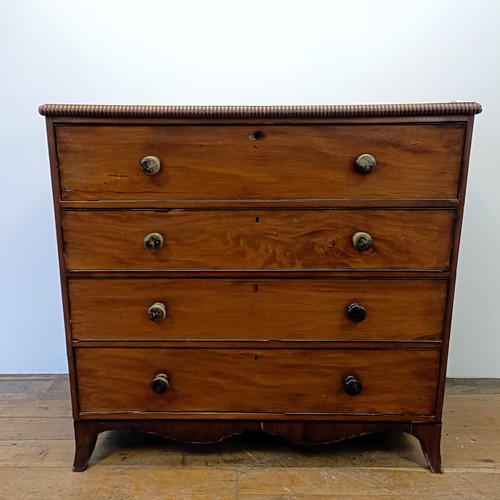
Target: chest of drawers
285 269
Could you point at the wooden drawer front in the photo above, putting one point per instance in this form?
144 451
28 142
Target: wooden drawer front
254 381
291 162
257 240
257 310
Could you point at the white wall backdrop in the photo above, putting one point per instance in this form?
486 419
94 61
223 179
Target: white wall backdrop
236 52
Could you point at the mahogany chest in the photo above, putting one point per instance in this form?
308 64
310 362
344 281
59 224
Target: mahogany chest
289 269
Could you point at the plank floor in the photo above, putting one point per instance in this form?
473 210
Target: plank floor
36 454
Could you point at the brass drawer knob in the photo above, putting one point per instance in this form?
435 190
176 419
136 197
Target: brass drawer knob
361 241
153 242
150 165
356 312
160 383
157 312
365 163
352 385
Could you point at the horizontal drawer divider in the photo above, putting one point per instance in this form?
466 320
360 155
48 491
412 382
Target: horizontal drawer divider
264 344
267 415
208 208
257 274
166 204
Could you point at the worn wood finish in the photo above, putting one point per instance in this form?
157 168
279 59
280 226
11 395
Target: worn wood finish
278 211
454 261
36 452
271 380
290 162
242 309
278 239
56 187
86 433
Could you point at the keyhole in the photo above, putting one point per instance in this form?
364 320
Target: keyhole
257 220
256 288
256 136
256 357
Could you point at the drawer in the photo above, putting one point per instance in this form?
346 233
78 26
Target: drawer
257 239
271 309
291 381
414 161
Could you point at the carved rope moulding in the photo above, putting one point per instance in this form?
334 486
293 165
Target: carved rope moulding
326 111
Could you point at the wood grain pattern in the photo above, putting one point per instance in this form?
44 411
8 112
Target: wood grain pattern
471 447
256 482
258 248
263 381
209 431
258 240
274 309
291 162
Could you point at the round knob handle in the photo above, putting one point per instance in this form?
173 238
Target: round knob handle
157 312
256 136
365 163
361 241
160 383
356 312
153 242
352 385
150 165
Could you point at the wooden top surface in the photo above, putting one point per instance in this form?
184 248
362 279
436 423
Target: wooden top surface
323 111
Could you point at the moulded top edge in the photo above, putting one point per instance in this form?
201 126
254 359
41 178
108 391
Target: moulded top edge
214 112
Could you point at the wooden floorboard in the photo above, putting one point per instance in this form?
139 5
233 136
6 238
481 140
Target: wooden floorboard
36 452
